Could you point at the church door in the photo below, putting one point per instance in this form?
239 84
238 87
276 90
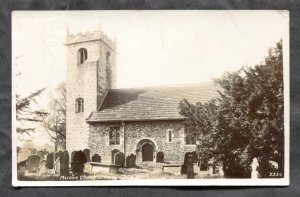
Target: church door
147 152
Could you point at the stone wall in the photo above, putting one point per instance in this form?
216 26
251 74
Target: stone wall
155 131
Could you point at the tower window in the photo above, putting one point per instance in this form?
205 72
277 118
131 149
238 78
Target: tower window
114 136
82 55
79 105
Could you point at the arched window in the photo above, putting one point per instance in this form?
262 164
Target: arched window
79 105
114 136
82 55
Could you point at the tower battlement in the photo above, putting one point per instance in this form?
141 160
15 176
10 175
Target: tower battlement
90 36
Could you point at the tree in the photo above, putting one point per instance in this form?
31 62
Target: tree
24 113
246 121
54 121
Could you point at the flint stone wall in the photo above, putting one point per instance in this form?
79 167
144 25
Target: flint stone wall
156 131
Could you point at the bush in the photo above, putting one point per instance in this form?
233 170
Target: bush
77 164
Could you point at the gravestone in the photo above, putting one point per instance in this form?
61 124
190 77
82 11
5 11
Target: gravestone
50 160
96 158
130 160
72 154
77 164
43 168
160 157
42 154
64 164
119 159
87 154
190 166
33 163
33 151
192 157
57 165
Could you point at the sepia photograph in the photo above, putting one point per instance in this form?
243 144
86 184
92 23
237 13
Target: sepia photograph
150 98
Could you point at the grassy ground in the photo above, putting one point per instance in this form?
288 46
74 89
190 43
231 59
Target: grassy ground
142 171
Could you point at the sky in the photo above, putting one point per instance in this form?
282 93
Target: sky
154 47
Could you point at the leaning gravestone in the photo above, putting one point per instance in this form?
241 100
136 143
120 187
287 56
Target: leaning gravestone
120 159
87 154
43 168
77 164
96 158
33 163
130 161
160 157
64 164
50 160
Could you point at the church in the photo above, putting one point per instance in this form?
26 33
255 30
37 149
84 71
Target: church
106 120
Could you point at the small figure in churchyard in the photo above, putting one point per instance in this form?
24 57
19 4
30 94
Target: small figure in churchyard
77 164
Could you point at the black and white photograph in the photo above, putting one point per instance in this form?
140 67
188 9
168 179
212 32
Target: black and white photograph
150 98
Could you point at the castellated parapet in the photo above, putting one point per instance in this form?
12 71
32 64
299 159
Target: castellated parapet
90 36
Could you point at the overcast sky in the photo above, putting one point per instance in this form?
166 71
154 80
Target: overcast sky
154 47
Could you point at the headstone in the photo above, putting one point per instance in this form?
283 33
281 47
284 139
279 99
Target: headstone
33 151
42 154
96 158
43 168
190 166
50 160
160 157
33 163
64 164
77 164
130 160
119 159
57 165
254 173
87 154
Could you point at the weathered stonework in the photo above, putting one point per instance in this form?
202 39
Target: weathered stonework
87 80
135 132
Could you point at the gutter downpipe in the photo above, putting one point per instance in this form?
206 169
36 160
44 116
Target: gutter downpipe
123 128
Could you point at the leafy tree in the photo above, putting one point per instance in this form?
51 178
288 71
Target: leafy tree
246 121
24 113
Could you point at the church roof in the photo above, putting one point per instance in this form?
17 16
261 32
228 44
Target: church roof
151 103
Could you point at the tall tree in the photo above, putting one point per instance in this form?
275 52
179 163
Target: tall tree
54 120
246 121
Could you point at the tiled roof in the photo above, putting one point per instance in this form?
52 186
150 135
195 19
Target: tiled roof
151 103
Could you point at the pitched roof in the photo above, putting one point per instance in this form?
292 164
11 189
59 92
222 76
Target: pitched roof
151 103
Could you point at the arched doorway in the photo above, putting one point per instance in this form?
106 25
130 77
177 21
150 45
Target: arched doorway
147 152
113 152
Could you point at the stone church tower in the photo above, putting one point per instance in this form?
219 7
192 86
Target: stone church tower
91 72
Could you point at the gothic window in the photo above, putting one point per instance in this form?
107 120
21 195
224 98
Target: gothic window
82 55
79 105
190 138
114 136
